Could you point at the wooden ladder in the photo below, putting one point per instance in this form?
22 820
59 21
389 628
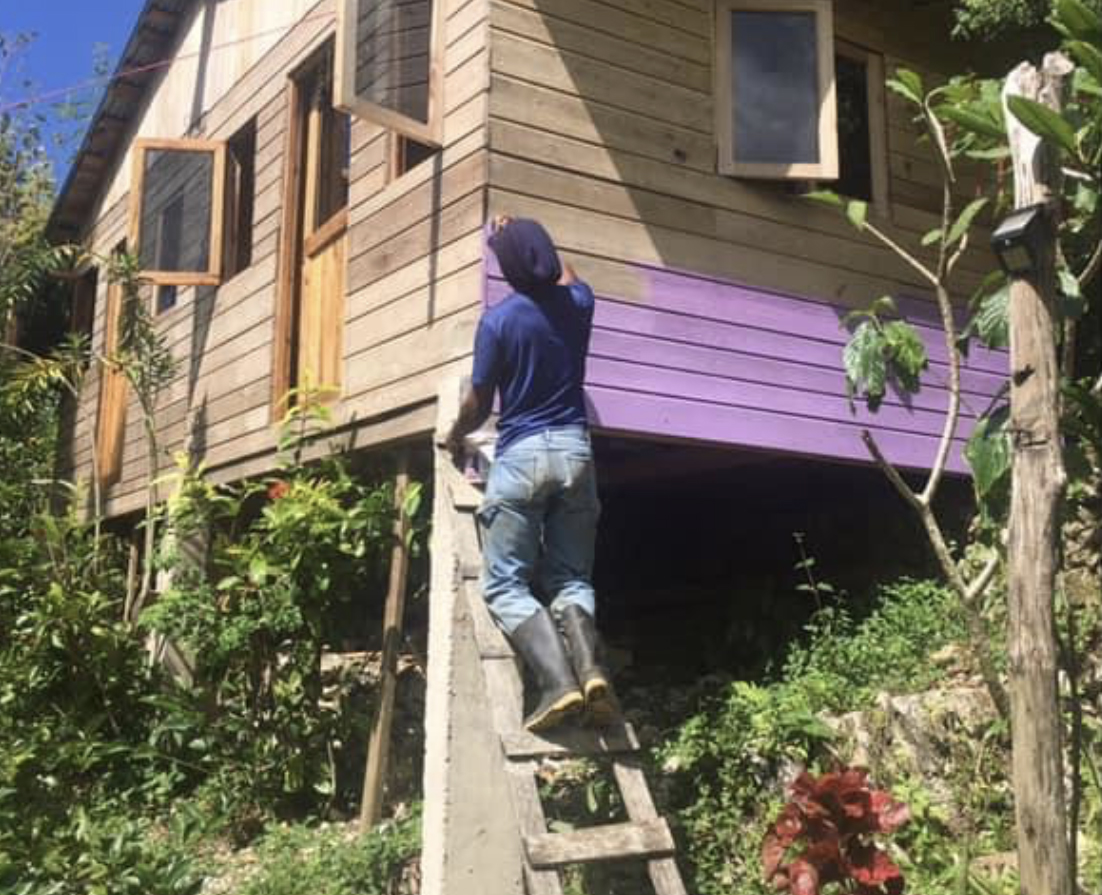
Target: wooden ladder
646 835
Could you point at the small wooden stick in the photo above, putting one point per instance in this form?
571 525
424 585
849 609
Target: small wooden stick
378 748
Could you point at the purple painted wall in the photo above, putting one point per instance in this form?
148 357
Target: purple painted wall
709 360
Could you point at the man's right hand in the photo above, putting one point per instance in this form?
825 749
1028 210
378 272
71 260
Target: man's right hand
455 447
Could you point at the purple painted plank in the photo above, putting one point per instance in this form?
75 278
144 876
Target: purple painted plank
712 299
678 384
634 413
825 357
703 358
665 354
670 328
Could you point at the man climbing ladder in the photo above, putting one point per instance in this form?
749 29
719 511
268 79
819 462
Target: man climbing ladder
539 516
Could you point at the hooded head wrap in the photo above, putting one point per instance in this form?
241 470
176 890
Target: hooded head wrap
526 255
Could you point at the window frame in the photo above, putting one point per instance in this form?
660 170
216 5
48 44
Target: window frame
114 392
398 163
347 100
827 166
82 313
240 200
878 120
217 148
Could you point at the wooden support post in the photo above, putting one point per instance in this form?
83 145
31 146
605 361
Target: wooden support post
1037 489
371 807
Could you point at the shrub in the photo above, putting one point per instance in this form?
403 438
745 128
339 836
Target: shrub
325 861
731 759
255 619
845 662
824 836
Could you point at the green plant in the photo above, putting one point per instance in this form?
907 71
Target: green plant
288 566
73 717
845 662
326 861
729 760
824 836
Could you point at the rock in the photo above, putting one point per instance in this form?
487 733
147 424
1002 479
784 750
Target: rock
921 735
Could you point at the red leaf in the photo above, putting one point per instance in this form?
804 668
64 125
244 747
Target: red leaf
870 866
803 785
786 830
772 853
819 830
890 814
827 859
789 825
803 878
278 489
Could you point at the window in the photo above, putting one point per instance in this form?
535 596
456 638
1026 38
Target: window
82 314
176 213
775 89
309 321
388 64
407 154
862 150
111 420
240 195
334 162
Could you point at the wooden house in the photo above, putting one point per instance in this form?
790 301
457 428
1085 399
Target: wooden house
306 185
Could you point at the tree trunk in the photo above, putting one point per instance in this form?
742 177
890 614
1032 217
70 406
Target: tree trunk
1036 492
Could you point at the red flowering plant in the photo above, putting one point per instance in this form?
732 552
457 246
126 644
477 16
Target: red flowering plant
825 835
278 488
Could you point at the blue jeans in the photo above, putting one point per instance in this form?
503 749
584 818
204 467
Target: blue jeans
539 524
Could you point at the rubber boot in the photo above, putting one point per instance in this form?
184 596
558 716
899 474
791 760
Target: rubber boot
539 644
585 655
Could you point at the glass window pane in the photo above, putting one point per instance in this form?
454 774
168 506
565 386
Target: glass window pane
854 145
392 55
177 191
776 87
335 162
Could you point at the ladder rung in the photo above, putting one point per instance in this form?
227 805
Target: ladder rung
571 741
607 843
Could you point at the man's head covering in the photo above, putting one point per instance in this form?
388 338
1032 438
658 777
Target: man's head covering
526 255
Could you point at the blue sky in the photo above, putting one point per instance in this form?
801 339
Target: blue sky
62 53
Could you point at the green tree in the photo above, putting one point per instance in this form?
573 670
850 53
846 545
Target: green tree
26 187
991 19
965 119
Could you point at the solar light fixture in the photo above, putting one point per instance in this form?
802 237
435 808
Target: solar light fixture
1017 238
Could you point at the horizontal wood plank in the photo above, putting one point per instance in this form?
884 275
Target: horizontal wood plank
571 741
607 843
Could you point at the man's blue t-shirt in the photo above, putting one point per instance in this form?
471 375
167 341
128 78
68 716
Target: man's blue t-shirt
533 352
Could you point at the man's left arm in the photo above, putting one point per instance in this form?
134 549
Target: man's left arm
478 397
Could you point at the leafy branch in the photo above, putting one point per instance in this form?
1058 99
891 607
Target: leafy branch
879 350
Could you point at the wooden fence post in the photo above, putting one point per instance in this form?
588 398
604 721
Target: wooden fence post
1037 488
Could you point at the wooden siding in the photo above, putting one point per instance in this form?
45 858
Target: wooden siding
602 126
720 298
705 359
415 279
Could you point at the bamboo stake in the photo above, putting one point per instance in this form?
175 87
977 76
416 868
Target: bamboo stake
378 749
